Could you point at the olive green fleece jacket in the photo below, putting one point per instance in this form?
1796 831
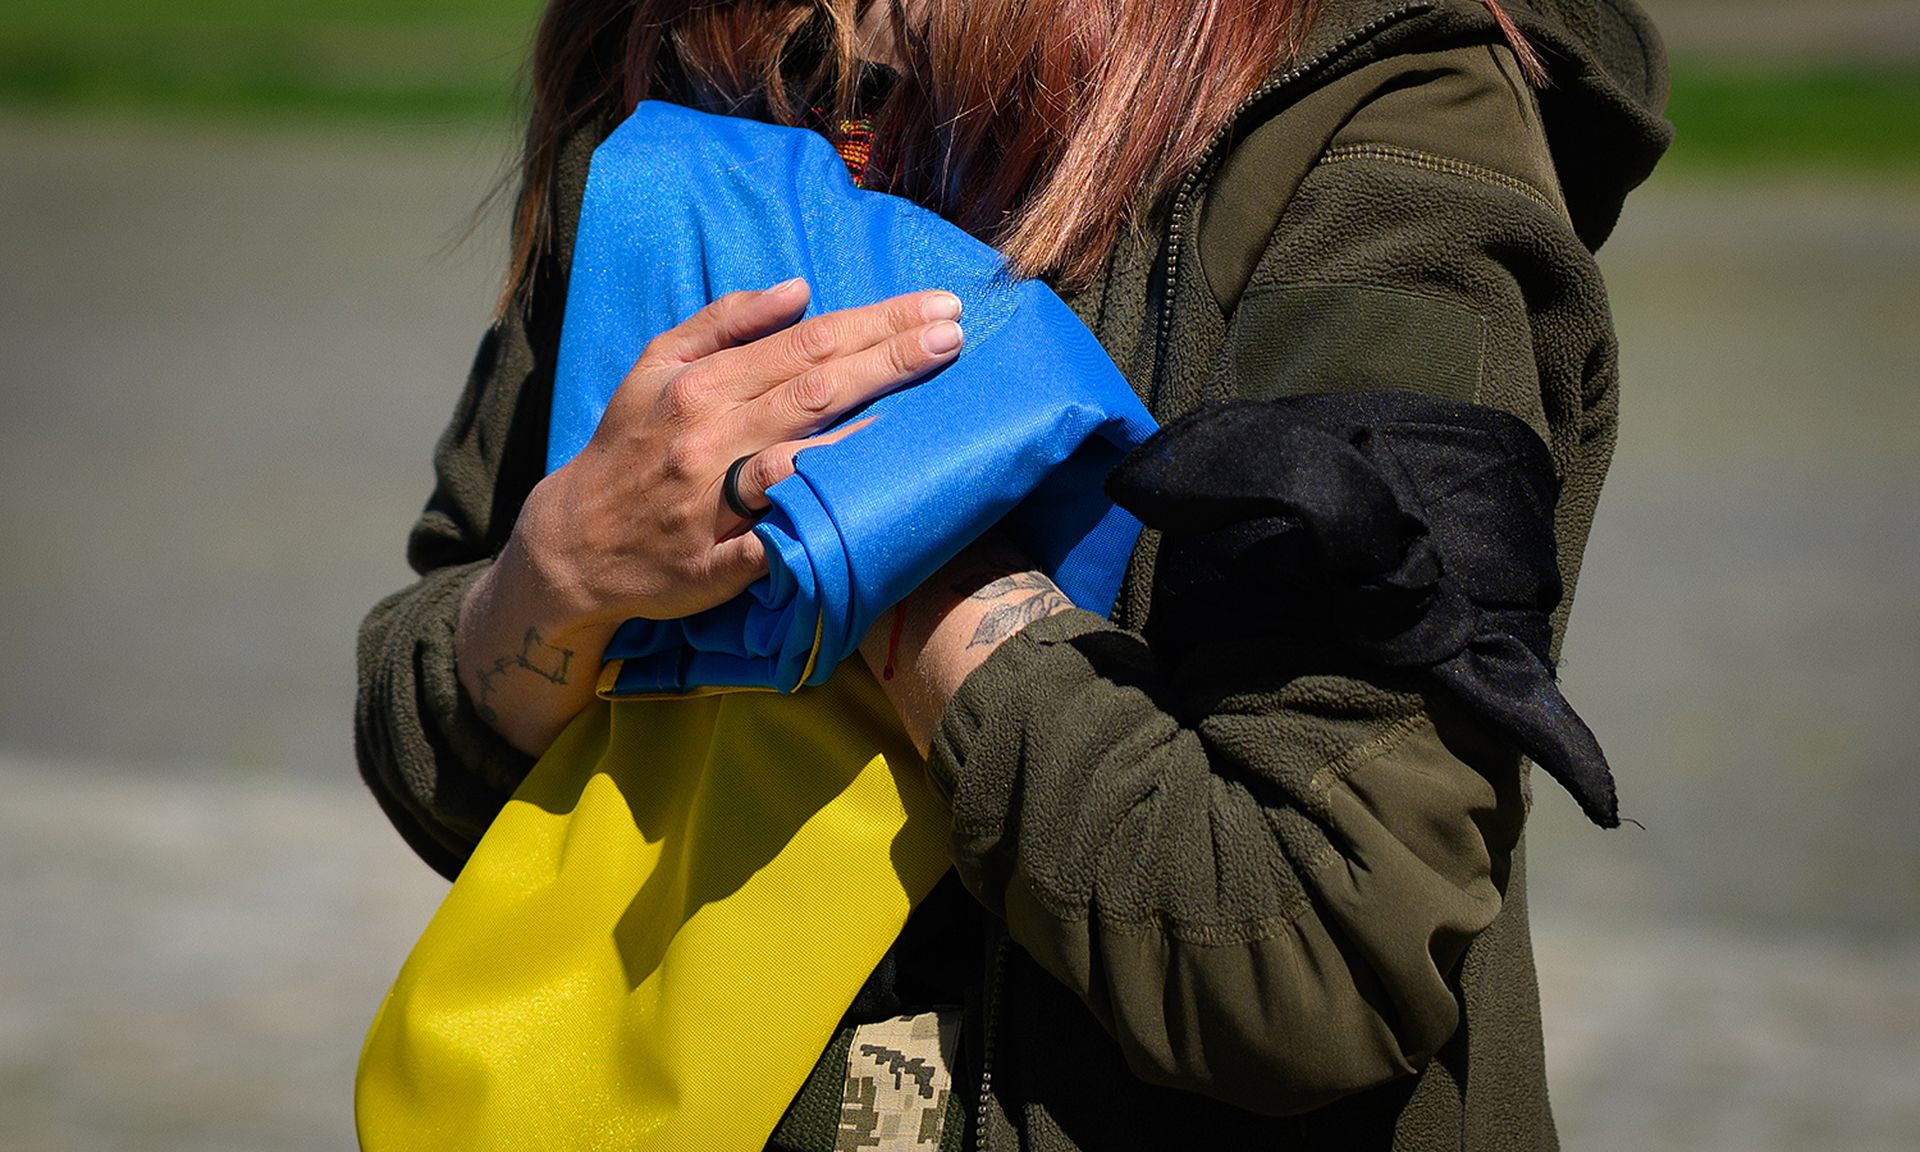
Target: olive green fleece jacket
1238 901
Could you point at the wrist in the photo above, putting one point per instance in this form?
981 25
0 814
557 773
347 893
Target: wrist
952 645
526 670
949 627
531 588
543 566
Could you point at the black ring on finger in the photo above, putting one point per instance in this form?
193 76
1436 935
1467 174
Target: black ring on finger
730 491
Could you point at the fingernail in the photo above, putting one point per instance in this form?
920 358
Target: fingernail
942 338
940 306
783 287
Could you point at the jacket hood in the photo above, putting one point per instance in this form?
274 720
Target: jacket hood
1604 108
1604 100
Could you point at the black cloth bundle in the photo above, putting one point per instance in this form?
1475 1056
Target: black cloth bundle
1403 530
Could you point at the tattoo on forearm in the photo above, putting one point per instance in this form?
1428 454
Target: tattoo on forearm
550 662
1022 598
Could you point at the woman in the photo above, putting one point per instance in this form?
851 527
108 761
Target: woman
1212 895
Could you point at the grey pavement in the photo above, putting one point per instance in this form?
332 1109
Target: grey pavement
1745 973
227 353
1791 31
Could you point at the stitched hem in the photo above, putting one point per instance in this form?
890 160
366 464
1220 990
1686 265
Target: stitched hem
1427 161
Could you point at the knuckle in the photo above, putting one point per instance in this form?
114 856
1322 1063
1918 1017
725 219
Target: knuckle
669 522
812 394
815 340
680 396
673 468
904 356
683 460
779 464
757 476
770 467
700 445
908 312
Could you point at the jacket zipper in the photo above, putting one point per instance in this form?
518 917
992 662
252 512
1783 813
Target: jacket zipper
1175 223
1183 199
981 1141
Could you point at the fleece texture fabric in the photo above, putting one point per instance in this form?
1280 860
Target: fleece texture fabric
1234 898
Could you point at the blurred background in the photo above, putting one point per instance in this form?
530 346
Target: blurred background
241 275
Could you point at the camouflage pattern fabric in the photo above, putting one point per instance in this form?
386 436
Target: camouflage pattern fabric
899 1083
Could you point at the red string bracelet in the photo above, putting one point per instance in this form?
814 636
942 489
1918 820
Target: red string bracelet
893 640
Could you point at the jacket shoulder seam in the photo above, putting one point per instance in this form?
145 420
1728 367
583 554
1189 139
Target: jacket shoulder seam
1433 162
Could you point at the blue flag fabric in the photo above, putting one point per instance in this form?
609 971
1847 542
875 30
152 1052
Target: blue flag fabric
1021 429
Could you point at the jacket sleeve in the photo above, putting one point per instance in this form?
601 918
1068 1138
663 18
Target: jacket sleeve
1259 870
439 771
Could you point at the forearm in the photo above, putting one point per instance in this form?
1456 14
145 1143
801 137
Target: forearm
925 648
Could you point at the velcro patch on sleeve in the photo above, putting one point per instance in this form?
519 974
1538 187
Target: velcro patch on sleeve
1296 339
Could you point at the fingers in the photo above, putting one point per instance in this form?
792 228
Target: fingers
733 319
751 369
739 561
817 397
775 463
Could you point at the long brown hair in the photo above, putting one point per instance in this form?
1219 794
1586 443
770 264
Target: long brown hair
1045 127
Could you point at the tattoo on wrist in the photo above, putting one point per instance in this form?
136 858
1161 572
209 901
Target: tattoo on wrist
1018 600
550 662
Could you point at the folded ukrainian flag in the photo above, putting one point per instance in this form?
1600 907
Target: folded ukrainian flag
657 937
1021 429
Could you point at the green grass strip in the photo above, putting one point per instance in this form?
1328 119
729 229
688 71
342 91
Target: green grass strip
460 60
433 69
1857 119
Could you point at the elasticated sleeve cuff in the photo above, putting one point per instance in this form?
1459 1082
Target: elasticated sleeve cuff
997 696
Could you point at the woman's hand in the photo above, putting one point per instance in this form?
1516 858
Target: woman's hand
951 624
636 525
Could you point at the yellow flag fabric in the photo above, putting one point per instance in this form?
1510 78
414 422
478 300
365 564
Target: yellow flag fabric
657 937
